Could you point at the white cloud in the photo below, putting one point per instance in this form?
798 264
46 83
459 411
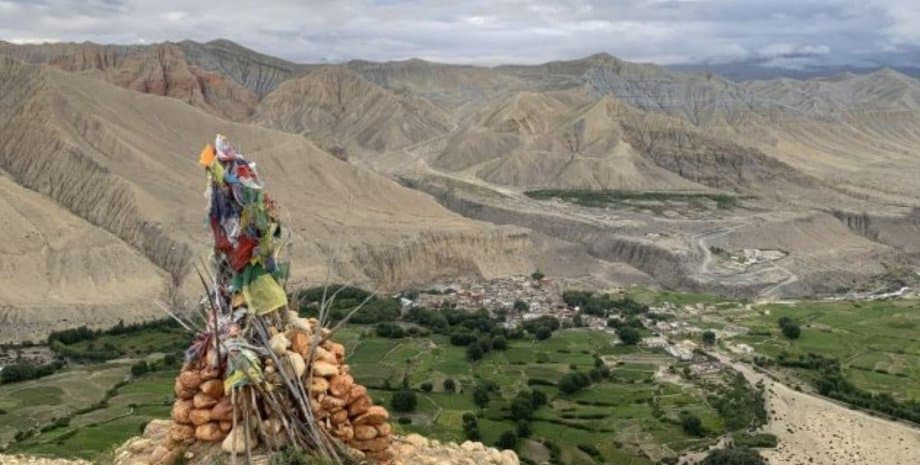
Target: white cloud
493 31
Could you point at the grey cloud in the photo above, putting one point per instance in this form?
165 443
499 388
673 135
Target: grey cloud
789 33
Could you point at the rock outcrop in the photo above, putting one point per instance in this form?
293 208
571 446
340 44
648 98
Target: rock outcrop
162 69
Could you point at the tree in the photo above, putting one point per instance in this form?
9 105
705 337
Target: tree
538 399
471 426
792 331
485 343
629 335
450 385
709 337
537 275
507 440
523 429
521 306
140 368
473 352
427 387
691 424
461 337
404 400
481 396
521 407
573 382
734 456
543 333
499 343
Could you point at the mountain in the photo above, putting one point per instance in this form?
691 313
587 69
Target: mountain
337 107
162 69
698 156
449 85
106 186
746 71
257 72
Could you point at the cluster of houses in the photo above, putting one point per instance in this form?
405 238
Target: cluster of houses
36 355
523 298
542 296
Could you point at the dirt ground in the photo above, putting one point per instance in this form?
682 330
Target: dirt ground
815 431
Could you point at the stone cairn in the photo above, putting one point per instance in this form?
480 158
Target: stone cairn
203 410
258 376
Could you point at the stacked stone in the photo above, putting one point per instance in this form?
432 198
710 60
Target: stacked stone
203 411
342 406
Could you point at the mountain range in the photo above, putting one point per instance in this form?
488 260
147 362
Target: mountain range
399 174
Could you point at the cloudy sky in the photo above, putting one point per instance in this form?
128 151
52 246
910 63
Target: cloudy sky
786 33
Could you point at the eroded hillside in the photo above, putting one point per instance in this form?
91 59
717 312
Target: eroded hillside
684 162
122 162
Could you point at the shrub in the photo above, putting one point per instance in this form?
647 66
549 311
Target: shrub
523 429
450 385
470 426
522 406
404 400
755 440
537 399
499 343
543 333
426 387
709 337
571 383
792 331
140 368
629 335
481 396
474 352
734 456
790 328
691 424
507 440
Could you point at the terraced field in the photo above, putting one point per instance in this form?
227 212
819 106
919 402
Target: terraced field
616 416
876 342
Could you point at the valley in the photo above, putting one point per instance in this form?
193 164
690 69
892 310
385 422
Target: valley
585 261
630 412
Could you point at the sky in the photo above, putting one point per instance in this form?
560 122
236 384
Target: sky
791 34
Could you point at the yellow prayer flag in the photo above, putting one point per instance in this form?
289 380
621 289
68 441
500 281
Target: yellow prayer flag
264 295
207 156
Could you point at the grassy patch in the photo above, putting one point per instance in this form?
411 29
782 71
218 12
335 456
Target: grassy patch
656 201
875 342
617 408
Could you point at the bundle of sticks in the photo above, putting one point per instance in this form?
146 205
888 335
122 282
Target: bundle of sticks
258 375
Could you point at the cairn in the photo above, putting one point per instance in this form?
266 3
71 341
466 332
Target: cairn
258 376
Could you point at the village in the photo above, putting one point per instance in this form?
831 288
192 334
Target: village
523 298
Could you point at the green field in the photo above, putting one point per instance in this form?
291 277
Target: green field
656 201
616 416
630 418
86 409
98 429
875 342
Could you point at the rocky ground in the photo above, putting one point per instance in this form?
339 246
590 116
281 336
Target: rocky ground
407 450
29 460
